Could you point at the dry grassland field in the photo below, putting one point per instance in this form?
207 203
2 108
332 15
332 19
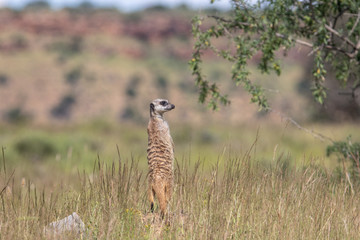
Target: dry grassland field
270 182
73 117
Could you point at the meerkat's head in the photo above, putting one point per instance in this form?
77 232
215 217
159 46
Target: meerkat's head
159 106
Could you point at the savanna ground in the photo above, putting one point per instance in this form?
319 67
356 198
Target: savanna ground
231 182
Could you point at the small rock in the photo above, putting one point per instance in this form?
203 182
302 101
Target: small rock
70 224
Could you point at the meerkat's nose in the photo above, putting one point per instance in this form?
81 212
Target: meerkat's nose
172 106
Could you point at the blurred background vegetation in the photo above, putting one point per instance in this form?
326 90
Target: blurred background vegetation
76 83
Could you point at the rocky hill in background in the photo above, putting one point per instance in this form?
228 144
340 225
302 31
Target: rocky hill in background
148 26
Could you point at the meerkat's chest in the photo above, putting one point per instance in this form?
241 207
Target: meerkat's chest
165 131
163 134
159 134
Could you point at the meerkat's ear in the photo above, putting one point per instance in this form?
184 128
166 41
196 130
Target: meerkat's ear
152 107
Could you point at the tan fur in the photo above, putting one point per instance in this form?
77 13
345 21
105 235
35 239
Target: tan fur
160 154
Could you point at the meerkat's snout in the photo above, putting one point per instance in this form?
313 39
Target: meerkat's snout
169 106
172 106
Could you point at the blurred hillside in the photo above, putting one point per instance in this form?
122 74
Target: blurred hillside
74 65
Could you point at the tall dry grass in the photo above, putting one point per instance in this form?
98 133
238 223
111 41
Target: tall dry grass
238 198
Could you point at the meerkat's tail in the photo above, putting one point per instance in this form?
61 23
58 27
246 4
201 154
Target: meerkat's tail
151 195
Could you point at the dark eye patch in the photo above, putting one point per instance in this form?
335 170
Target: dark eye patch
163 103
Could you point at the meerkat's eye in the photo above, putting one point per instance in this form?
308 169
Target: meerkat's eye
163 103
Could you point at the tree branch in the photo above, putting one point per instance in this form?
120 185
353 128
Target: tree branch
351 55
220 18
296 40
355 24
296 124
217 18
347 40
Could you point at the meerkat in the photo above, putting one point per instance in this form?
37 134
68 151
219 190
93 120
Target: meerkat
160 155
